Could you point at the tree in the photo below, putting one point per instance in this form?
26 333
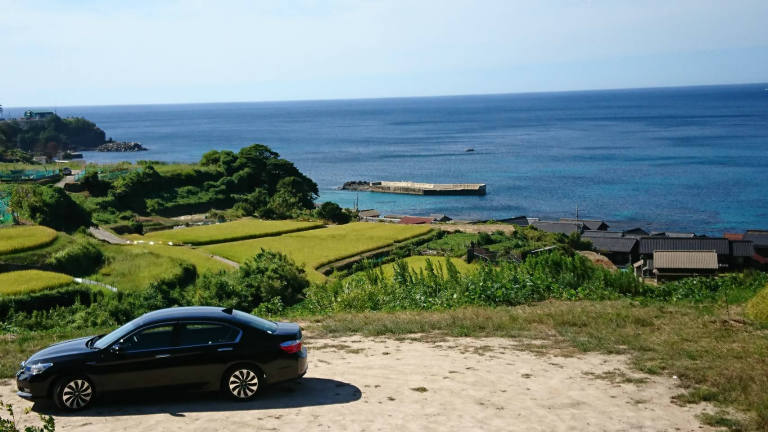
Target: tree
49 206
332 212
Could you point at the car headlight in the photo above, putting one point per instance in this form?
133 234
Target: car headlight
37 368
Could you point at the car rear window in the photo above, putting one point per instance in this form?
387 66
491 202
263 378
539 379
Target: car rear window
206 334
254 321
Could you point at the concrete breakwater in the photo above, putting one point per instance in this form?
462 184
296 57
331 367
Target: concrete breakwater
413 188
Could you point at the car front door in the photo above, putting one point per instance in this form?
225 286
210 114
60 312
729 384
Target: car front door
141 359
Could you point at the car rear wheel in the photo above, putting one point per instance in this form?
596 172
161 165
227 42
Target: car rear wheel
242 382
74 393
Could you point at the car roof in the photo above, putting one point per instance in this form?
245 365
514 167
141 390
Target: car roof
189 313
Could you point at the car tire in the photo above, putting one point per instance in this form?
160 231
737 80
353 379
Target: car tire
242 382
74 393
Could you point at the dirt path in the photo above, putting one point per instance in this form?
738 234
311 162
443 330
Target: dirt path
371 384
102 234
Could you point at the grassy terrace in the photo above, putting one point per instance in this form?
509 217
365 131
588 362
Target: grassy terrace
134 268
242 229
417 263
15 239
312 249
26 281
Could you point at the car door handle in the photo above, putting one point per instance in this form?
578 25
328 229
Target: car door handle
225 349
162 355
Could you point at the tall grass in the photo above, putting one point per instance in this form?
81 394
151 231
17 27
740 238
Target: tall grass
242 229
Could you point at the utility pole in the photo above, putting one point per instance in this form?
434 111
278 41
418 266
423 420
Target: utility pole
577 212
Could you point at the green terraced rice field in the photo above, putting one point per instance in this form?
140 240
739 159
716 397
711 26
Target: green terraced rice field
197 257
418 263
241 229
15 239
312 249
135 267
25 281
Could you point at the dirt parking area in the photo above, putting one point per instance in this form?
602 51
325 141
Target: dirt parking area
415 384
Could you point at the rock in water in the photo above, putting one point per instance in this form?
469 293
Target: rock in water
121 146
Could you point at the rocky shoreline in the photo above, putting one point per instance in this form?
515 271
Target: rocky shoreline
121 146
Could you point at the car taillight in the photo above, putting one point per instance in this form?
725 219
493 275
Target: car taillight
291 347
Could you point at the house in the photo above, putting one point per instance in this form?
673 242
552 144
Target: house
37 115
41 159
394 218
368 215
415 220
672 234
439 217
590 224
674 264
647 246
759 239
566 228
617 248
519 220
742 252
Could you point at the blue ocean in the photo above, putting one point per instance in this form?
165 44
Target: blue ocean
685 159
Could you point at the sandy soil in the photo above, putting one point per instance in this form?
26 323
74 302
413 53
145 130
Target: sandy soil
372 384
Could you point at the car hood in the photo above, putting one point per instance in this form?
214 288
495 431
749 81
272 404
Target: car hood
62 349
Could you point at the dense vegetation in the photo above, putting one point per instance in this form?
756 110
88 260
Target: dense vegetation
48 137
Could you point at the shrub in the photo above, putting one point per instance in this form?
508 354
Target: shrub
757 308
44 300
332 212
49 206
79 259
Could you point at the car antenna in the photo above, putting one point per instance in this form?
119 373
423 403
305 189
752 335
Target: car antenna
227 310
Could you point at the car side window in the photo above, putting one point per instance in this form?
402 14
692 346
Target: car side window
206 334
157 337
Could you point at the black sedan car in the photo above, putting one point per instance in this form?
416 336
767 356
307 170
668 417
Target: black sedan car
205 348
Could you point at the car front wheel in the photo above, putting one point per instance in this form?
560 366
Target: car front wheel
242 382
74 393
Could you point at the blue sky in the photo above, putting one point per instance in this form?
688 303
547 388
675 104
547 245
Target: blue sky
88 52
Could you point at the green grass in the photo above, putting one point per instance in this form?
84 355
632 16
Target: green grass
135 267
716 358
420 262
312 249
26 281
242 229
15 239
197 257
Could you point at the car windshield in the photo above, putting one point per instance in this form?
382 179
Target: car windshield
113 336
255 321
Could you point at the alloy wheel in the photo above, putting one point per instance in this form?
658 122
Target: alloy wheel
76 394
243 383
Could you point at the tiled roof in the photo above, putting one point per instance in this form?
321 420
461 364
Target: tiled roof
742 248
558 227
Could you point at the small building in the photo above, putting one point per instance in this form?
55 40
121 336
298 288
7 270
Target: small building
369 215
759 239
742 252
415 220
37 115
622 251
590 224
649 245
519 220
439 217
596 233
566 228
677 264
41 159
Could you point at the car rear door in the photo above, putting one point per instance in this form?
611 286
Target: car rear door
204 351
